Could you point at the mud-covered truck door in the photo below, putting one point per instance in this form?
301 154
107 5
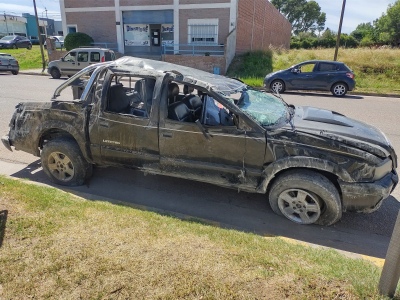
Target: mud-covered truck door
120 128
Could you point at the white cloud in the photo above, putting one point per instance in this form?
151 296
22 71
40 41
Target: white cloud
26 6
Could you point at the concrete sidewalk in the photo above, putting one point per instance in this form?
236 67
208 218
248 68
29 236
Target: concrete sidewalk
34 72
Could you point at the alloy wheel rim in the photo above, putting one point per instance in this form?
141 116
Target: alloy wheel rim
61 166
299 206
277 86
339 90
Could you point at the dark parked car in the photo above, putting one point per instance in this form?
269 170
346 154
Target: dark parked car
34 40
318 75
15 41
9 63
167 119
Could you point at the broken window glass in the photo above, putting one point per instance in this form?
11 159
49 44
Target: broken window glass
264 108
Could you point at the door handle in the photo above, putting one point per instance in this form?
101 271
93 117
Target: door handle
73 63
104 124
167 134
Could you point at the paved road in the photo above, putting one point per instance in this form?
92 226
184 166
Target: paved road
364 234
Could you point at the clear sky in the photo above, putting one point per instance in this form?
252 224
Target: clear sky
357 11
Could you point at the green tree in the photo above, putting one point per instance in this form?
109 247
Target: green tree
365 30
302 14
388 26
76 40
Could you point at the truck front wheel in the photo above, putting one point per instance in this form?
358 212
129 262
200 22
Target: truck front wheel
55 73
63 162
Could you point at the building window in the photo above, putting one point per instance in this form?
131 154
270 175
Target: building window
203 31
72 28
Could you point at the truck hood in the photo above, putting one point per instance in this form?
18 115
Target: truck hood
335 126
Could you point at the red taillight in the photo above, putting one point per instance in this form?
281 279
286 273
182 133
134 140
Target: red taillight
103 59
350 75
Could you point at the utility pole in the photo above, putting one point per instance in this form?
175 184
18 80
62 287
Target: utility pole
40 40
339 31
5 19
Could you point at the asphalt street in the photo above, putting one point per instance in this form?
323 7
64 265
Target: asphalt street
364 234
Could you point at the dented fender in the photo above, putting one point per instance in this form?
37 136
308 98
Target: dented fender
286 163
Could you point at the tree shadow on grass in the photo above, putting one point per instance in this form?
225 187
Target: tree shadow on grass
3 221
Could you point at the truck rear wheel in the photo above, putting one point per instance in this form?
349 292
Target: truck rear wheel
63 162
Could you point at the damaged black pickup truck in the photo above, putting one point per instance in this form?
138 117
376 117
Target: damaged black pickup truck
162 118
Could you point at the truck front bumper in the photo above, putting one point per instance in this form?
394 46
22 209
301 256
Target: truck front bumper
6 142
367 196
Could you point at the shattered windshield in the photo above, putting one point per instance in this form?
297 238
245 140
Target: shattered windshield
265 109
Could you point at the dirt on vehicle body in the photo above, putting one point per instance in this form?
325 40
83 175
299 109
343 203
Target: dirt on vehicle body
162 118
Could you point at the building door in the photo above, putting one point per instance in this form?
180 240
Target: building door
155 39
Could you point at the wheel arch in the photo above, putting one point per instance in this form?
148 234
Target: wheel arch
330 170
55 68
54 130
339 81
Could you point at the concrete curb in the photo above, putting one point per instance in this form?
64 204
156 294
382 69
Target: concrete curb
34 72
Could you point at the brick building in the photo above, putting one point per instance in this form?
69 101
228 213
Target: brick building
202 33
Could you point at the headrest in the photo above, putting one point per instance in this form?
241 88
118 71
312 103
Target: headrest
173 89
187 89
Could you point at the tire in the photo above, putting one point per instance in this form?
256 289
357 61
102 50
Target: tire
29 47
277 86
14 46
63 162
55 73
339 89
14 72
305 197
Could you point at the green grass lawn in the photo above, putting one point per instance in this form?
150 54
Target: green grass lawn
58 246
28 59
377 70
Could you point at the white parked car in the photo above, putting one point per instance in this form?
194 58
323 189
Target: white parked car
59 40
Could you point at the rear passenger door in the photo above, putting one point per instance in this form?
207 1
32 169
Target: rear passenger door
126 139
326 73
95 57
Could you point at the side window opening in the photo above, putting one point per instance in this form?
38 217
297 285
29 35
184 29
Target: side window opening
131 96
307 68
323 67
95 57
83 56
190 104
109 56
70 57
